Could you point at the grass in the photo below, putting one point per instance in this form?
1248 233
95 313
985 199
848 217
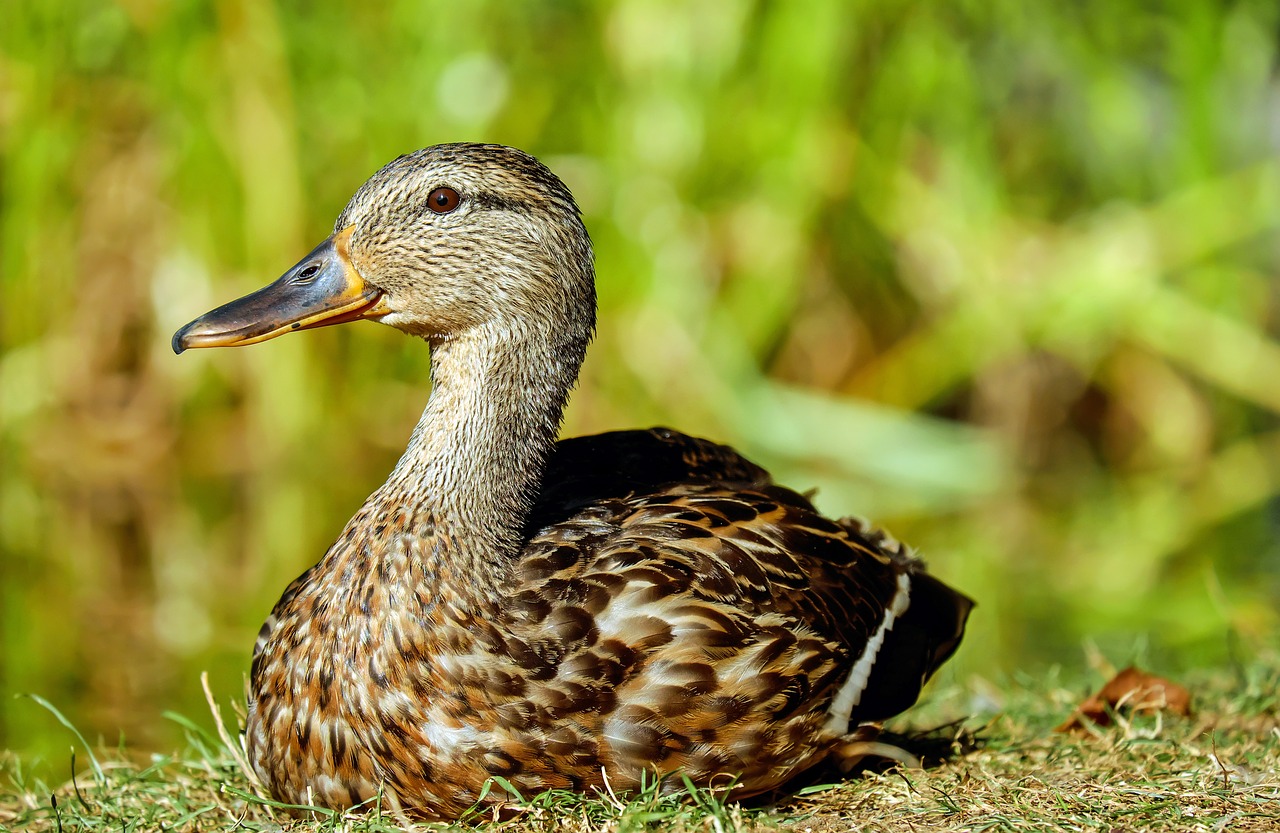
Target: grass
1005 768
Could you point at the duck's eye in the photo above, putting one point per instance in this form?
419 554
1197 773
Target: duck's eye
443 200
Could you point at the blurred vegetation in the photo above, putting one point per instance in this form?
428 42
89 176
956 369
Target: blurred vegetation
999 276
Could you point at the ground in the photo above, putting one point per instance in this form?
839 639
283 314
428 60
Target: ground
1003 767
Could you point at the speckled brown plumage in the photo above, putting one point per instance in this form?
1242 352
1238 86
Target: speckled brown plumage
619 607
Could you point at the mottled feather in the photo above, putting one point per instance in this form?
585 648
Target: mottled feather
620 607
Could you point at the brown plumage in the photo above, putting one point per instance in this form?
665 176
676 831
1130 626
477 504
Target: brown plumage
613 607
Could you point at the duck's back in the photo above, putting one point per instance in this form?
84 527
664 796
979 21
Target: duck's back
676 610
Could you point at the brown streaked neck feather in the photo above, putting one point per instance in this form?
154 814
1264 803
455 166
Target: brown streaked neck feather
476 458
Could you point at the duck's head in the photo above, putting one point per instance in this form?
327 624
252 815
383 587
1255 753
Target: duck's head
437 243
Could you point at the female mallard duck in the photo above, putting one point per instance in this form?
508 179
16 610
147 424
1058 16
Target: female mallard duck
563 615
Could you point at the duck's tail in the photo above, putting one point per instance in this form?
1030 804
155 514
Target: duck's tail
919 641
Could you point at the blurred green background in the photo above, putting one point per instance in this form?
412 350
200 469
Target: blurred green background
997 275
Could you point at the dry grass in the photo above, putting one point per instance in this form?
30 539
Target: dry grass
1219 770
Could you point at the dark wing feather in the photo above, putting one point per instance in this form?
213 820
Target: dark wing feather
586 470
764 570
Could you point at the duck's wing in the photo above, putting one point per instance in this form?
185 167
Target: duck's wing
708 530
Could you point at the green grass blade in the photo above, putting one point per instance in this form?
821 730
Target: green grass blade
278 805
198 732
52 709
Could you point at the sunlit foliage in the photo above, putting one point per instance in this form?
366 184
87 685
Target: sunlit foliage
997 275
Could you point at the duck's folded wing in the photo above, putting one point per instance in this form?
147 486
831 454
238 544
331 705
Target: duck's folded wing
699 522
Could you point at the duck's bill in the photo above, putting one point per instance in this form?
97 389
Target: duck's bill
322 289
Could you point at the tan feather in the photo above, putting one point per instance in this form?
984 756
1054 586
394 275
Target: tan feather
612 607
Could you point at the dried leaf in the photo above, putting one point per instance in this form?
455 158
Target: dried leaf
1134 690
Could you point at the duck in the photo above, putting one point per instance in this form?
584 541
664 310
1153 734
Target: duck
508 613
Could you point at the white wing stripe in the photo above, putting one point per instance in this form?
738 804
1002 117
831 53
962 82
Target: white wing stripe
850 693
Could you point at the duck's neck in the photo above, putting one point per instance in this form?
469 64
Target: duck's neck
472 471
